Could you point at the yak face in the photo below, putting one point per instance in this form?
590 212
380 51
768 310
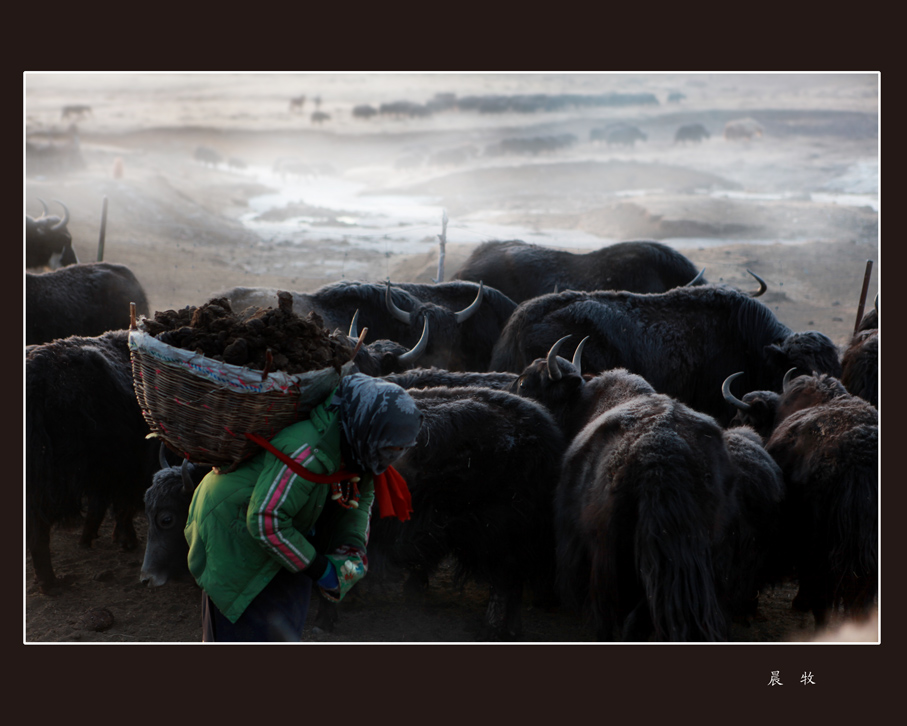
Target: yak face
808 352
554 382
48 241
807 391
167 508
762 406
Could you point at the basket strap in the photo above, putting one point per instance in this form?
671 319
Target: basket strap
296 467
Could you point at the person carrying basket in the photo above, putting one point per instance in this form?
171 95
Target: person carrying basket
298 512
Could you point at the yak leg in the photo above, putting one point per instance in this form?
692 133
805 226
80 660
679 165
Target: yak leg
503 618
38 540
93 519
124 530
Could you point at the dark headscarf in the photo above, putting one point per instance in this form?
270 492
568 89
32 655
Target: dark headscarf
374 415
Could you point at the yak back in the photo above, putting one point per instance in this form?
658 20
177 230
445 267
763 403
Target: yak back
644 494
684 341
82 421
522 271
482 476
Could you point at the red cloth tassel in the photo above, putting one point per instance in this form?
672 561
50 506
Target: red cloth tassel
392 494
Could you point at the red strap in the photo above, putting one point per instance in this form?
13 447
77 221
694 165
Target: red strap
296 467
391 492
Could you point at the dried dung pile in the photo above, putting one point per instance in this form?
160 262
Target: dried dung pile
296 344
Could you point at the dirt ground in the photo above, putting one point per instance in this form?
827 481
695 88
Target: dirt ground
176 223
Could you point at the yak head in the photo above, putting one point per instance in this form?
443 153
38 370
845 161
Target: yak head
553 381
805 392
383 357
167 509
808 352
48 241
757 409
764 410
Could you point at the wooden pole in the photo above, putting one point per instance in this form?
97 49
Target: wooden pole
856 325
443 238
103 231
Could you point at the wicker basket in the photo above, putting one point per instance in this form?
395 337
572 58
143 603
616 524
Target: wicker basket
203 408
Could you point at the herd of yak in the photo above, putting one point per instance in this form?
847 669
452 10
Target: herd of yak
581 439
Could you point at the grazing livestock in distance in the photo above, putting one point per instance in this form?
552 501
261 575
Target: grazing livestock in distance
482 476
85 299
166 508
76 111
85 443
826 443
48 243
465 318
685 341
742 128
521 270
644 497
208 156
691 132
860 361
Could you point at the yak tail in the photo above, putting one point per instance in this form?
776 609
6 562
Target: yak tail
854 525
673 548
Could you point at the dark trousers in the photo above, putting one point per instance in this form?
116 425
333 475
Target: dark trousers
278 613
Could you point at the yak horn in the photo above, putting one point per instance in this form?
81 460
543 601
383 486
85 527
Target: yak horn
162 457
729 397
468 312
62 222
762 286
411 355
696 280
578 354
401 315
554 371
354 326
188 484
787 379
43 204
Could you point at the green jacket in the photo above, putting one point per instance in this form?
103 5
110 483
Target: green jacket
245 525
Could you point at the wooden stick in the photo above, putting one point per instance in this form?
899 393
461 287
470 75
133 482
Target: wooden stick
863 296
132 316
359 343
443 238
103 234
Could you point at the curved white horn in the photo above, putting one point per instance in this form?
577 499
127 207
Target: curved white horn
762 286
466 313
411 355
729 397
554 371
401 315
787 379
578 355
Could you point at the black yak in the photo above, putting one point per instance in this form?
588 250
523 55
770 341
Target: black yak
85 443
522 271
825 441
644 497
684 342
48 242
87 299
465 318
